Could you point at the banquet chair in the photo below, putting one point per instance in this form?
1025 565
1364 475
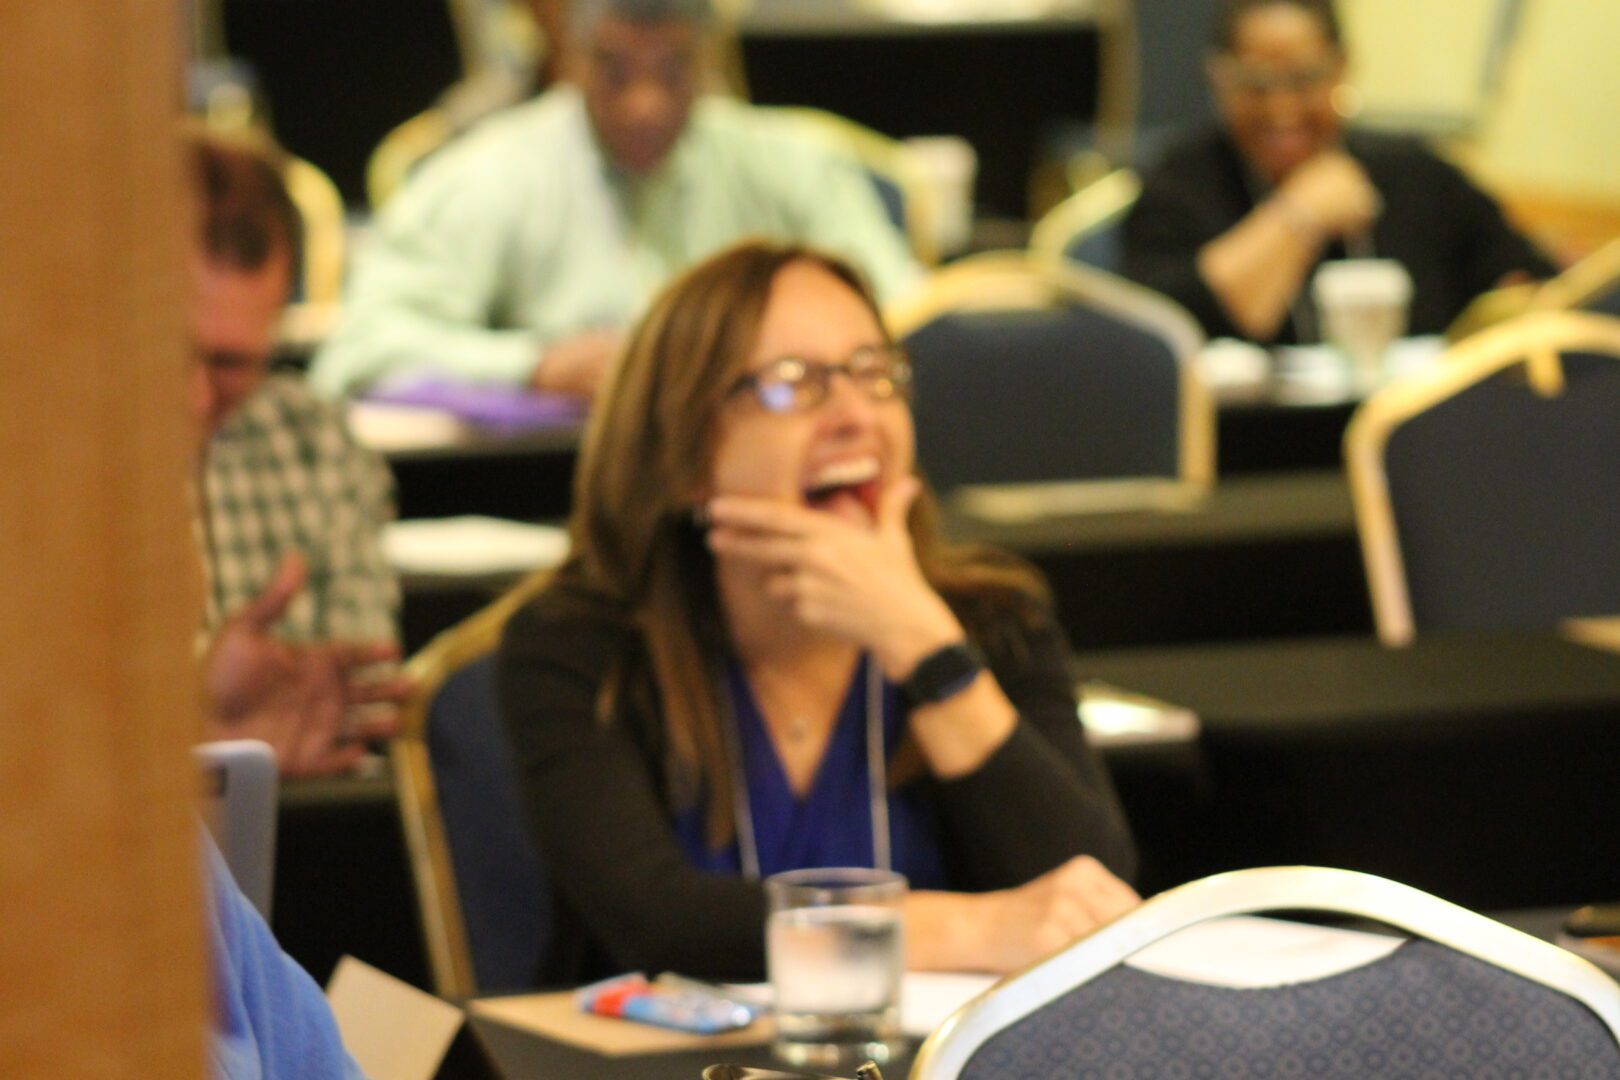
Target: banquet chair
1032 372
1593 284
479 881
1466 996
1485 491
1088 226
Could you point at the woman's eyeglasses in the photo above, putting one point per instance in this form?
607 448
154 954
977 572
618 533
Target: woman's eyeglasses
792 384
1238 78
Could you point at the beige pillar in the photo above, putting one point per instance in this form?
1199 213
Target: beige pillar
101 953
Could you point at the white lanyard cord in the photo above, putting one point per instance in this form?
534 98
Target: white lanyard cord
877 780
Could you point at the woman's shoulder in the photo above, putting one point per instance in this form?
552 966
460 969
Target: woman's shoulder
1194 157
568 619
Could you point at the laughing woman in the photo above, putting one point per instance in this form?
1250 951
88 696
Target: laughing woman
761 657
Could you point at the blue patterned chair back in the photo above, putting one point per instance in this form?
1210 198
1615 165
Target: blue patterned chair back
505 903
1064 393
1464 997
1424 1011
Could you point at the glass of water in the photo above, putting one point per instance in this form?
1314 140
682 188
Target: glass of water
835 947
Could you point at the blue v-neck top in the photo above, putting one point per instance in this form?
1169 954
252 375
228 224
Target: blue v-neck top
832 824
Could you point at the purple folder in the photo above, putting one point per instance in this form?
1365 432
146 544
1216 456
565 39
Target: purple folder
490 406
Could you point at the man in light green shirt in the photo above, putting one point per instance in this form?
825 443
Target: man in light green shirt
521 253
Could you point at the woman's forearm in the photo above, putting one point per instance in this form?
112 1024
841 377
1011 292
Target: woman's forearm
958 735
1257 267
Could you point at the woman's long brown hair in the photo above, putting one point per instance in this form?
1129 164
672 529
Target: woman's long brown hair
647 455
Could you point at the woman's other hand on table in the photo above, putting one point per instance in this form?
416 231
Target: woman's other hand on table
1012 928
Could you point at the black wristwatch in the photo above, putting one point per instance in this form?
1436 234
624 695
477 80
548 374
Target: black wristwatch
942 674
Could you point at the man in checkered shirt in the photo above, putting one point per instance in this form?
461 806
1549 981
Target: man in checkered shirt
289 508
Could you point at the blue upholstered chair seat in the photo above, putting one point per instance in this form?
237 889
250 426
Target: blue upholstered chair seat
505 902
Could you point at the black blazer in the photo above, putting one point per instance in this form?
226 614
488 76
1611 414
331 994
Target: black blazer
601 810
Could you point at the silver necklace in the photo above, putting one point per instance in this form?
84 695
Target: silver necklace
877 780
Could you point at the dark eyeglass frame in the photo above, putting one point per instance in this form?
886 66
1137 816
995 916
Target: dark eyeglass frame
1233 76
791 384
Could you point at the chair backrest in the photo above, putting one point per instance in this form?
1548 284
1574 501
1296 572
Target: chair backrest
1593 284
1030 371
401 150
1475 997
480 884
1088 227
901 181
1485 489
1152 84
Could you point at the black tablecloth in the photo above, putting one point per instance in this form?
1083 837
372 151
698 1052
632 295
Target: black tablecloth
1265 557
1479 768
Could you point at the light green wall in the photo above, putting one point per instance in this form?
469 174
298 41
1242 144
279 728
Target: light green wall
1557 125
1554 126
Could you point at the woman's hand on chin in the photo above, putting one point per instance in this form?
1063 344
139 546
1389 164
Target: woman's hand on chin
858 582
1013 928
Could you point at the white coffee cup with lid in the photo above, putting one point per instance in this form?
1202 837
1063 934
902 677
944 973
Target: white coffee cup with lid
1362 305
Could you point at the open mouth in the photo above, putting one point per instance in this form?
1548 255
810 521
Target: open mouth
850 489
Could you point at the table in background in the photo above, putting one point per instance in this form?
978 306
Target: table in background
1481 768
520 1055
1263 557
529 476
343 882
526 477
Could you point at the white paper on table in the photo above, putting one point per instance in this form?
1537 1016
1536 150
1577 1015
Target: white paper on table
1247 952
1241 952
1234 370
471 544
392 1030
383 427
1114 717
928 998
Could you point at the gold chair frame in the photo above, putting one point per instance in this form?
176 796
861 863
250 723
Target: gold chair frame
1533 342
1591 277
1095 206
444 930
1243 892
1014 281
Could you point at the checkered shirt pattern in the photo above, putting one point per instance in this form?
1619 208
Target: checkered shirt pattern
283 474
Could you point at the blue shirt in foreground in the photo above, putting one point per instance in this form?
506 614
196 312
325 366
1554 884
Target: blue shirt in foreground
271 1022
